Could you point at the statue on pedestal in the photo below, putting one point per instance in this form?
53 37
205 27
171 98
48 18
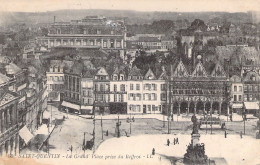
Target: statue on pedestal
195 128
195 154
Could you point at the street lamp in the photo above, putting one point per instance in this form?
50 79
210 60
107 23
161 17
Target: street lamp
130 122
118 126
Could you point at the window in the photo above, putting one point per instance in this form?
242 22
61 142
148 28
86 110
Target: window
149 108
250 87
138 96
153 107
144 108
122 87
149 96
256 88
137 87
240 98
102 88
115 98
115 77
235 88
131 96
131 86
138 108
163 97
154 87
235 97
245 88
163 87
240 88
115 87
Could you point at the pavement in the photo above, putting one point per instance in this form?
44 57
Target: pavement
161 117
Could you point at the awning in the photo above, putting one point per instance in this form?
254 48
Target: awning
70 105
25 134
87 107
238 105
252 105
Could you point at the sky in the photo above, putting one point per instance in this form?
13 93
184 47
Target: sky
139 5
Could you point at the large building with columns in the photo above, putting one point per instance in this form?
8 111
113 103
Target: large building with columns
198 90
90 32
9 128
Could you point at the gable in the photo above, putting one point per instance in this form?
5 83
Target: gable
218 71
180 71
102 72
199 71
150 75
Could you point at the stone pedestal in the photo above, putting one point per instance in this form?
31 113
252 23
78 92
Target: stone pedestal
195 138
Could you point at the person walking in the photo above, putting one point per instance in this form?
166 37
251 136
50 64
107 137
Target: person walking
177 140
174 141
168 142
153 151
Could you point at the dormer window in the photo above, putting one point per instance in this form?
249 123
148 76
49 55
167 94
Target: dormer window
115 77
121 77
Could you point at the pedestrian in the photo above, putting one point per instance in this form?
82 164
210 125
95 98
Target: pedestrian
63 117
223 126
225 134
177 141
153 151
230 117
241 134
174 141
107 133
168 142
133 119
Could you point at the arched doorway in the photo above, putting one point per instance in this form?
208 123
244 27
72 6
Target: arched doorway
200 107
184 107
224 108
207 107
215 107
192 107
175 108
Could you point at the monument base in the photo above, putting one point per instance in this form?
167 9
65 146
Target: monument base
195 138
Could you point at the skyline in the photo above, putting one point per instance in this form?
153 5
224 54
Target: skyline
141 5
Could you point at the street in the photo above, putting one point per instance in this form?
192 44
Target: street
71 131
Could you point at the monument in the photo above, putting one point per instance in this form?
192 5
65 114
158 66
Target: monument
195 154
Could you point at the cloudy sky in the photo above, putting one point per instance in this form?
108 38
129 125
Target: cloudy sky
139 5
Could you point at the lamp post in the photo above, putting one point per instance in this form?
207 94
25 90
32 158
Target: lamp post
130 122
101 127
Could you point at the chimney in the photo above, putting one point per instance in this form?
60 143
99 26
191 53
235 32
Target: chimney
54 19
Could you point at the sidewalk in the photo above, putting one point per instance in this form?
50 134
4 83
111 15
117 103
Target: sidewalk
181 117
